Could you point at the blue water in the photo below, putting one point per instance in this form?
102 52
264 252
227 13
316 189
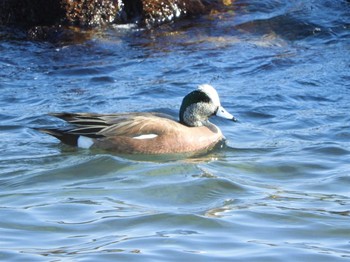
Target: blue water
279 191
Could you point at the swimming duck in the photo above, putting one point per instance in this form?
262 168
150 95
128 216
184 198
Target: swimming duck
149 133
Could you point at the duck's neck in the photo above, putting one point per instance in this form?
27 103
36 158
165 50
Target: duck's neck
191 121
192 124
213 127
191 117
198 123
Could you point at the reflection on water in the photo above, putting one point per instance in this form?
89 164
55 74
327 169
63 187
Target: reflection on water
279 189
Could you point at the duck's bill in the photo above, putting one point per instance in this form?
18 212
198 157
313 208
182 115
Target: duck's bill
221 112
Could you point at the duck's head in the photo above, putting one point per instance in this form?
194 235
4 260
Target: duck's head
200 104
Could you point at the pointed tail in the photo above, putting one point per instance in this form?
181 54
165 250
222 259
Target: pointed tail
64 136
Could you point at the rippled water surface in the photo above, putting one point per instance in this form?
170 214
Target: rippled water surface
280 189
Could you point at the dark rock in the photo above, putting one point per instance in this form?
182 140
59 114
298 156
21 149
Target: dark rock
55 34
90 13
130 12
29 13
84 13
160 11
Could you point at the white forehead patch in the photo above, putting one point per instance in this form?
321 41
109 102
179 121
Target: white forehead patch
211 92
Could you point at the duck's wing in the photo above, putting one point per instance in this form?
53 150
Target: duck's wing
125 124
139 126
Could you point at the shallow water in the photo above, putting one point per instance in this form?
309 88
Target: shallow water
279 191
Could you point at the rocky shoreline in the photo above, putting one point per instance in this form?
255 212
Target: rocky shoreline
92 13
53 20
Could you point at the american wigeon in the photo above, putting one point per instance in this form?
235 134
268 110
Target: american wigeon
149 133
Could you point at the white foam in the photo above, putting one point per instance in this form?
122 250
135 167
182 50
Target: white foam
125 26
85 142
147 136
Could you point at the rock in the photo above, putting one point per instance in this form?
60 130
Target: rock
90 13
160 11
84 13
30 13
51 18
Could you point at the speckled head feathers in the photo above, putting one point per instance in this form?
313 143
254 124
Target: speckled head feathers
199 105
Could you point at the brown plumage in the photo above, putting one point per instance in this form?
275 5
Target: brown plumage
148 133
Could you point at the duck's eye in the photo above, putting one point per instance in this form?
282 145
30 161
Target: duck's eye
219 110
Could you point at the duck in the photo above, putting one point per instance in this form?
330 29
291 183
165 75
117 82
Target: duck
150 133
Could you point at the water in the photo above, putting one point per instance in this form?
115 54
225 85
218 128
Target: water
279 191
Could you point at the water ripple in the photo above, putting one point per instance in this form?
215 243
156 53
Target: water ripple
278 190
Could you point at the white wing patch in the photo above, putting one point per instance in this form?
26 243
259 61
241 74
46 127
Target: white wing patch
85 142
147 136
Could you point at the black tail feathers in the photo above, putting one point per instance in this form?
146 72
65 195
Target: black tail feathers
64 136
